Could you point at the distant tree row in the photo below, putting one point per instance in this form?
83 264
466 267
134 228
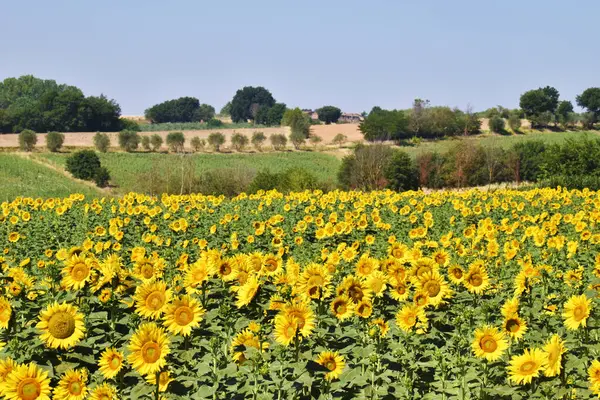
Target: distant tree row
44 105
183 109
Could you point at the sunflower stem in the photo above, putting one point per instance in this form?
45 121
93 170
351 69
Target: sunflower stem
157 394
297 344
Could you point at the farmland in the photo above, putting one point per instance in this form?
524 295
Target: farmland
345 294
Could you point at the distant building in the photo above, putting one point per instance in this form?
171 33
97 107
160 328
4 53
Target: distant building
351 118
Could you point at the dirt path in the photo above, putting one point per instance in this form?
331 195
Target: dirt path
29 156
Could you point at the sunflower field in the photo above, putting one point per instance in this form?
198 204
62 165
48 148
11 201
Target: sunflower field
379 295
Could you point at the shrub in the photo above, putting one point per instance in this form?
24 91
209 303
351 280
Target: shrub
130 125
101 177
197 144
340 139
101 142
54 141
129 140
214 123
27 140
298 139
258 138
83 164
465 165
292 180
146 143
224 181
497 124
528 161
176 141
216 140
576 181
156 142
364 169
239 141
430 170
514 122
401 172
315 140
278 141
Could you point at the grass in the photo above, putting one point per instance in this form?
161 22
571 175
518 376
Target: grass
23 177
126 169
189 126
487 140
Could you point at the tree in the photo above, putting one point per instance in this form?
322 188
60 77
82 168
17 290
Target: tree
216 140
270 116
401 172
247 101
298 122
176 141
156 142
514 121
329 114
145 141
278 141
129 140
258 138
297 139
226 110
205 113
497 124
101 142
590 100
197 144
83 164
183 109
383 125
340 139
535 102
54 141
27 140
101 177
365 168
315 140
239 141
563 112
418 115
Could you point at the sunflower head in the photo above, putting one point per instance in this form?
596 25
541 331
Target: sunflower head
111 362
333 362
61 325
489 343
148 349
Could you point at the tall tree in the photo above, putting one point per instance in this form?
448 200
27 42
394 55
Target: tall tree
590 100
298 122
247 102
385 125
183 109
329 114
539 101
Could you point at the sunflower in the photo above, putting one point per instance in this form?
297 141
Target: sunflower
247 291
525 367
366 266
72 386
376 282
515 327
111 362
271 265
147 269
6 366
197 273
242 341
314 282
164 378
554 349
286 329
103 392
61 325
456 274
399 291
577 311
333 361
182 315
422 266
476 280
355 288
379 325
303 315
510 307
342 307
364 309
594 376
5 312
224 269
151 299
411 316
489 343
148 349
27 382
435 286
77 272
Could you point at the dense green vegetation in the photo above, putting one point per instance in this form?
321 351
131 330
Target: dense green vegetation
194 126
22 177
183 109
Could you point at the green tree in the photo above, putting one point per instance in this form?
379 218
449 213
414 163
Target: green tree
247 101
536 102
101 142
205 113
278 141
197 144
497 124
27 140
329 114
401 172
54 141
129 140
216 140
365 168
383 125
239 141
176 141
183 109
258 139
156 142
590 100
298 122
145 141
226 110
270 116
514 121
564 112
339 139
83 164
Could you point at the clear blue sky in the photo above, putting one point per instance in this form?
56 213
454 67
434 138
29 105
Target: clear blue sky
353 54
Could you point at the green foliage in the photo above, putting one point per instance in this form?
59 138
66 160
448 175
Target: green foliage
270 116
43 105
226 110
145 141
247 101
216 140
102 177
514 121
497 124
573 157
101 142
571 181
239 141
365 168
258 139
401 172
129 140
27 140
530 157
298 122
197 144
383 125
329 114
214 123
590 100
425 121
339 139
54 141
298 139
564 109
315 140
183 109
291 180
83 164
278 141
130 125
537 102
176 141
156 141
194 126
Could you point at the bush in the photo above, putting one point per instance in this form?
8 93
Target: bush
364 169
292 180
176 141
54 141
298 139
101 142
197 144
156 142
130 125
430 170
514 122
239 141
129 140
340 139
528 161
216 140
278 141
315 140
401 172
214 123
497 124
101 177
258 138
83 164
146 143
576 181
223 181
27 140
